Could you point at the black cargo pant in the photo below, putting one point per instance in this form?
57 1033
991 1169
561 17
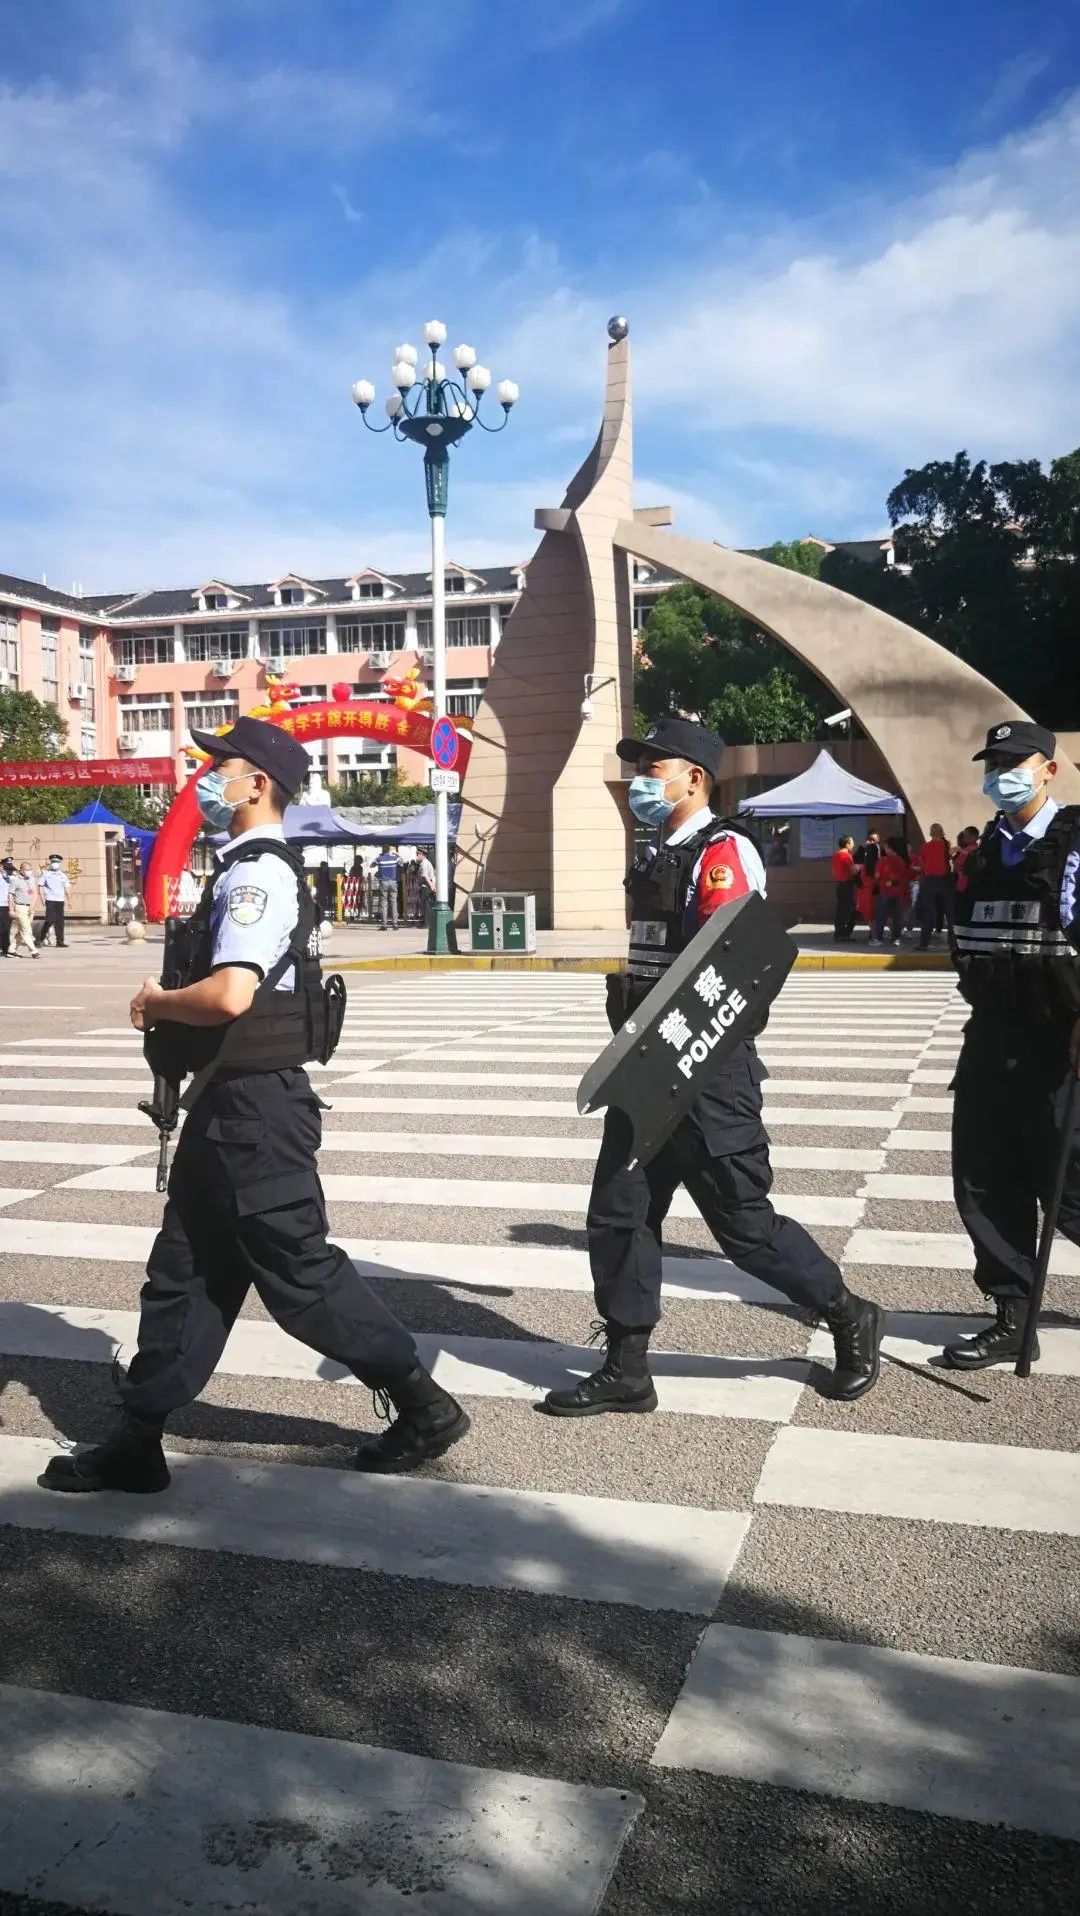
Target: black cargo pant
5 931
720 1152
1011 1089
53 921
246 1208
844 913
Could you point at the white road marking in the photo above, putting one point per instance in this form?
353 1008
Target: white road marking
31 1151
993 1486
943 1735
118 1808
939 1251
474 1193
594 1549
764 1389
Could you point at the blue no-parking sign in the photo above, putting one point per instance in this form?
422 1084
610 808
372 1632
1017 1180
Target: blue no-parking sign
444 743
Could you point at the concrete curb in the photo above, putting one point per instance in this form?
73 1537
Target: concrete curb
869 961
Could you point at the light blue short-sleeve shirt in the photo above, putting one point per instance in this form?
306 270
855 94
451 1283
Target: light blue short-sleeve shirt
254 909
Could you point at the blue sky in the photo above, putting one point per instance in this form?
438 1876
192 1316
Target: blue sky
847 238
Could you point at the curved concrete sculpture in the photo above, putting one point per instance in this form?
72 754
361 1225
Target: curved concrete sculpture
544 809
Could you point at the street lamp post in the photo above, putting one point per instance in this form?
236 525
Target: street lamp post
436 412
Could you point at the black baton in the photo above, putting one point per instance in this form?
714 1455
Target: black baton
1046 1241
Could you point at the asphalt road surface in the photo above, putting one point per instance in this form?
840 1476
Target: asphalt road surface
753 1653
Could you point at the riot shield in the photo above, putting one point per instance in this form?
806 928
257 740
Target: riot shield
714 995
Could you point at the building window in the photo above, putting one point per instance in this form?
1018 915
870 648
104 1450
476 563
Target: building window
87 742
454 582
215 642
153 647
471 631
215 602
463 697
382 635
290 595
292 641
9 646
642 608
206 714
87 662
144 712
50 666
369 589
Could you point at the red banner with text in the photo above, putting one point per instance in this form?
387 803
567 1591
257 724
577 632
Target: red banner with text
87 771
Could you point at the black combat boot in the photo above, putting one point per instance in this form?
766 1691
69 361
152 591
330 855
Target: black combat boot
429 1420
856 1325
999 1343
622 1382
131 1458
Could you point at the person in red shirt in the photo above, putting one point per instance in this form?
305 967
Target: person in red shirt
965 846
845 874
893 876
935 862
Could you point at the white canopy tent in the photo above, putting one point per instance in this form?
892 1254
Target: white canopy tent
826 790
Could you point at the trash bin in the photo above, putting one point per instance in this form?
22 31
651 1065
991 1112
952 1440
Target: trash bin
502 921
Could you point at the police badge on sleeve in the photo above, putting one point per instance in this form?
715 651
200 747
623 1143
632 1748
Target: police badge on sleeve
247 904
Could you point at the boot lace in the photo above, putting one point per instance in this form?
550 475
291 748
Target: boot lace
381 1404
598 1334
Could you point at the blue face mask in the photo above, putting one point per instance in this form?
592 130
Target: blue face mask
647 800
1010 790
215 808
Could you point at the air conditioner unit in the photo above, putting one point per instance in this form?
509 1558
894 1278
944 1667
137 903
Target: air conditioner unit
78 690
128 742
223 668
274 665
127 674
379 661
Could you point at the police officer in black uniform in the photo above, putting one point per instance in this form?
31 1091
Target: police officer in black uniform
1019 971
245 1204
720 1150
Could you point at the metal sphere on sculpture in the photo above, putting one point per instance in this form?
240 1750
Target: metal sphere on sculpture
618 328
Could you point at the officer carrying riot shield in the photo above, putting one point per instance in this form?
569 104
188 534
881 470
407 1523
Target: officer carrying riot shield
719 1150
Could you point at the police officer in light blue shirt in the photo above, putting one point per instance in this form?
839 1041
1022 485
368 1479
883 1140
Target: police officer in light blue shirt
246 1207
1016 936
54 886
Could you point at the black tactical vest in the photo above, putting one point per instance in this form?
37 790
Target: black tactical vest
1012 955
658 883
281 1028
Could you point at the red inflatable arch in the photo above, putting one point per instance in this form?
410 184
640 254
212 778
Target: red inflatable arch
365 718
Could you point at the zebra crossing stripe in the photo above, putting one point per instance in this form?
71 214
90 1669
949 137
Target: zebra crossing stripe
764 1389
943 1735
112 1807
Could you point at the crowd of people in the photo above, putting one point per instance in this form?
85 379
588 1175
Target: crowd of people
896 893
32 904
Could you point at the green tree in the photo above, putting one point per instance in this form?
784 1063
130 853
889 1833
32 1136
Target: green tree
990 568
370 790
33 729
699 655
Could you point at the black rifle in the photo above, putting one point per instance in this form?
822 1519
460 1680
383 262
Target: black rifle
161 1048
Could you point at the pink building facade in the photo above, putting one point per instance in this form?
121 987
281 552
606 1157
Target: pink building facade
131 674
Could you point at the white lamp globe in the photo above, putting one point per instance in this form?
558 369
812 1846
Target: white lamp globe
363 393
394 405
507 393
403 375
464 357
459 410
438 370
408 353
434 332
479 379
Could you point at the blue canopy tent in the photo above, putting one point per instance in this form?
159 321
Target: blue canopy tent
309 825
826 790
95 813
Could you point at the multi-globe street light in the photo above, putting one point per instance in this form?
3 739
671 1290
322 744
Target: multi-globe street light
435 412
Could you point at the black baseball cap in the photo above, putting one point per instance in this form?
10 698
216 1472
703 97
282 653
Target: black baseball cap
1019 738
676 737
273 751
